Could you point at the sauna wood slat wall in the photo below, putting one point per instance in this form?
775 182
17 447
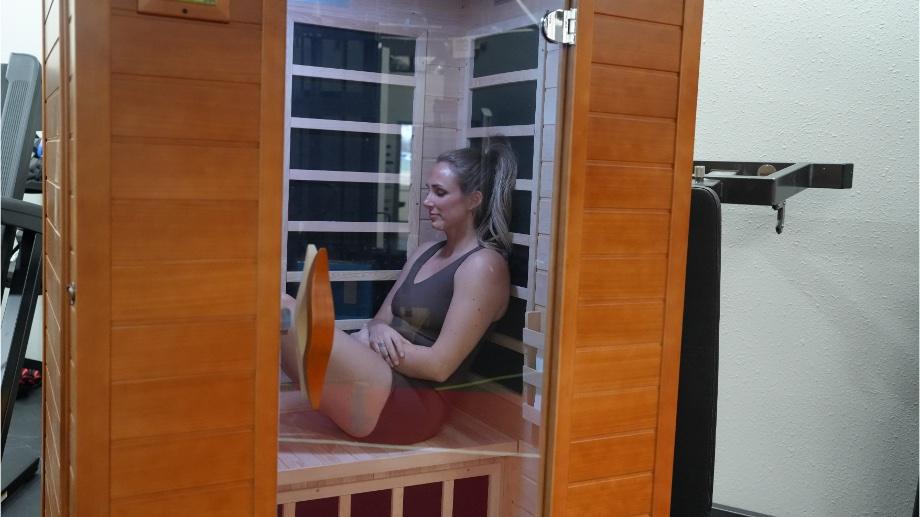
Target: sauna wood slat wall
622 254
55 356
177 138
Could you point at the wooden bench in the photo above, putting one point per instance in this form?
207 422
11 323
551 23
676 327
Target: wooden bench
482 438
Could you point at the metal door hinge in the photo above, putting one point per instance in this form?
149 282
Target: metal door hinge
559 26
72 292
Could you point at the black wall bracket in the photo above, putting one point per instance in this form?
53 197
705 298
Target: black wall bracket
769 183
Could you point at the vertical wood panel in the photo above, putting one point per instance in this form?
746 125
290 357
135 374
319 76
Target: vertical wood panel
271 165
680 214
616 317
89 169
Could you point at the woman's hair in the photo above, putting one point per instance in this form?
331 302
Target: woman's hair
492 171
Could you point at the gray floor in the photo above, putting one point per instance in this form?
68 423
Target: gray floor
24 440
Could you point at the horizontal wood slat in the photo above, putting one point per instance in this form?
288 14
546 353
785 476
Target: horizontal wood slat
52 76
628 186
618 324
170 108
172 171
147 466
632 91
150 45
618 497
53 288
624 138
52 129
608 279
53 205
240 11
182 291
640 44
617 367
229 500
663 11
149 351
51 159
177 405
625 233
612 456
178 229
602 413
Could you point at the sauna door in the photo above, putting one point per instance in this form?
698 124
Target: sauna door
571 401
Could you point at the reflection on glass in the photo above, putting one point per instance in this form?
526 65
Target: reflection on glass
334 99
354 300
523 150
358 251
333 47
497 362
520 211
512 104
317 149
350 202
506 52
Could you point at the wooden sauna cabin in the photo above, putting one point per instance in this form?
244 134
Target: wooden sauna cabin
195 147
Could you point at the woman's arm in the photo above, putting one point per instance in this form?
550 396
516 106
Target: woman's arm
481 288
378 329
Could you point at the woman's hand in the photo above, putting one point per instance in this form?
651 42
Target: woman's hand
384 340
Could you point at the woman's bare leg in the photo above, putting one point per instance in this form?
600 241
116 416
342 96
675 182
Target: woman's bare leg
357 382
357 386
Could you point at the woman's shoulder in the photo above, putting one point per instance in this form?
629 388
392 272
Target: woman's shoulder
484 265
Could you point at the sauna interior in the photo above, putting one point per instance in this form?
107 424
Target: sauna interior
375 92
193 150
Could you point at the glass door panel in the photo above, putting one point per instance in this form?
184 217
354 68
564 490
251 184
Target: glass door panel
376 94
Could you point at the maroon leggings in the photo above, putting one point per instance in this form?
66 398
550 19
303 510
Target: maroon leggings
414 412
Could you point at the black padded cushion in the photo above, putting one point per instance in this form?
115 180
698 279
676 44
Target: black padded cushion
694 448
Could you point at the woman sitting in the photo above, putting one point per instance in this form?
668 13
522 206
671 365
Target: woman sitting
382 383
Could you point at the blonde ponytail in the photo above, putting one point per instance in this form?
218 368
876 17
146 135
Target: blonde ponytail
492 171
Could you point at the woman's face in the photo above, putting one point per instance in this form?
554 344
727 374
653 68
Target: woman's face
447 205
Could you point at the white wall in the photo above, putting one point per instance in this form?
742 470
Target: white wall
818 375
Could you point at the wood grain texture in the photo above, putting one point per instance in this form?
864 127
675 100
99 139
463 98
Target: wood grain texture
633 91
601 413
52 161
52 127
567 230
240 11
629 186
640 44
53 71
184 171
89 168
620 323
158 407
663 11
617 367
630 139
618 497
159 107
271 165
172 47
53 202
150 351
612 456
183 291
159 230
622 278
185 461
625 233
227 500
677 267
